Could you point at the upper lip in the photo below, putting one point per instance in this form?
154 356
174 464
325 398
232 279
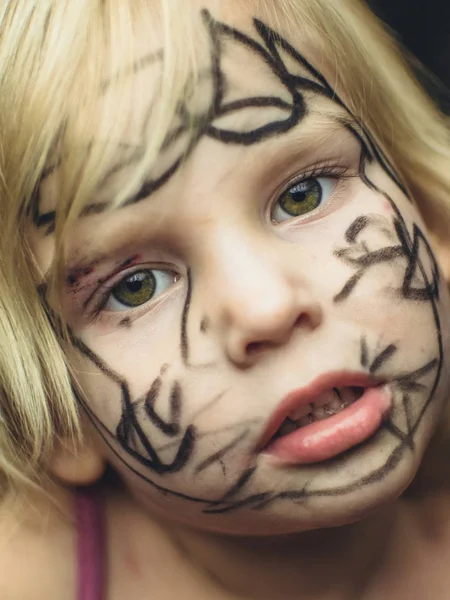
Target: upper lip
308 394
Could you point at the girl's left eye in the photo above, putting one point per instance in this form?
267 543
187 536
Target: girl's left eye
137 289
303 198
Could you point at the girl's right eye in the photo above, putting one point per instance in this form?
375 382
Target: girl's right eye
137 289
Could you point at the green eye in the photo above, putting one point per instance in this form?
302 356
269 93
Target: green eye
303 198
136 289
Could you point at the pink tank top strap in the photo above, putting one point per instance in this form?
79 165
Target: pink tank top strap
90 546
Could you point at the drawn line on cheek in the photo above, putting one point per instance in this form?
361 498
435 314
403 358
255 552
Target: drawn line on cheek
97 361
404 236
105 433
356 228
209 405
172 428
164 369
129 428
364 352
431 290
348 287
408 415
220 454
382 358
187 354
226 505
213 432
184 342
396 432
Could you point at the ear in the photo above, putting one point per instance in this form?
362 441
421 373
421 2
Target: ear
77 464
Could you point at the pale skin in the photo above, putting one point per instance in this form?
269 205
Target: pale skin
252 302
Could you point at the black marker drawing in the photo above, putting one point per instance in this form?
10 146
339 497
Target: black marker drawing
268 48
419 283
129 432
362 258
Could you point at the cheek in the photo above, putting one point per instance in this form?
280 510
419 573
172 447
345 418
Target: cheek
101 394
140 351
384 320
371 278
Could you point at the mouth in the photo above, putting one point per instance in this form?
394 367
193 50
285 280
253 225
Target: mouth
326 418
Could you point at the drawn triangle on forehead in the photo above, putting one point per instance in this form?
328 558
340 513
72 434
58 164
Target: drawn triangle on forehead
247 73
288 58
254 99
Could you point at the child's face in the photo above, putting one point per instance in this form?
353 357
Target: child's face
228 285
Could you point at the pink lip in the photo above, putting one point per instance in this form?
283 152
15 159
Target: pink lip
307 395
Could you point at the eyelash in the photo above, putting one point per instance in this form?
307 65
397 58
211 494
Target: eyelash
96 311
330 170
333 171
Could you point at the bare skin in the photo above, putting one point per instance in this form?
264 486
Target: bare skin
408 562
254 302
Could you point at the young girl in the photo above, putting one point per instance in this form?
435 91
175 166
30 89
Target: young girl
221 229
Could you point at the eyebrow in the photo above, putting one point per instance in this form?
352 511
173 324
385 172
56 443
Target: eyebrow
263 45
113 242
47 219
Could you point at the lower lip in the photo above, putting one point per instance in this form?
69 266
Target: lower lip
327 438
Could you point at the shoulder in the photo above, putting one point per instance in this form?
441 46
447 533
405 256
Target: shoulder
37 552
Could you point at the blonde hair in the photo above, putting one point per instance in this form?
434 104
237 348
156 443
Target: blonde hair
57 57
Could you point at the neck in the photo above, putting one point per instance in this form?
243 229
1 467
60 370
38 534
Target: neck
330 563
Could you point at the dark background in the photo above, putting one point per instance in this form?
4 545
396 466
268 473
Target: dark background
423 27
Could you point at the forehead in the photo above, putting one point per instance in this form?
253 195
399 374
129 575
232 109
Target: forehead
237 74
247 80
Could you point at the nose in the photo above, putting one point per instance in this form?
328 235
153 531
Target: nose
262 300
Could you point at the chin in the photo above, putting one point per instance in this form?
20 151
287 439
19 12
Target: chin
326 506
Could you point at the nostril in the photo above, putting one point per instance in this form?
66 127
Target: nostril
257 347
303 320
252 348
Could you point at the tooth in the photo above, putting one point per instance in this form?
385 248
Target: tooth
301 412
305 421
319 413
323 399
333 407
